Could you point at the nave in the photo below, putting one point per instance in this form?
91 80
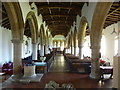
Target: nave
59 72
31 30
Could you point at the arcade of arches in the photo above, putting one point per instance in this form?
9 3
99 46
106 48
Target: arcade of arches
80 29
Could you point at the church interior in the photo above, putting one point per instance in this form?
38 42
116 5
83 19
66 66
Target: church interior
59 44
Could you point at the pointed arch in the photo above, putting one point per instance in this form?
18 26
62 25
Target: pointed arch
98 21
82 31
96 34
32 21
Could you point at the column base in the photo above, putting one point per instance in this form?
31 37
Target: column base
16 78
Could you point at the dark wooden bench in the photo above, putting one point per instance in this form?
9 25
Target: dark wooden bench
106 70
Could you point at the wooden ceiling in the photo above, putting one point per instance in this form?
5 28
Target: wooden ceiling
113 15
4 20
60 16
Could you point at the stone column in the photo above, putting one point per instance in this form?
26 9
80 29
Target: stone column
75 44
118 38
56 44
42 50
17 58
116 72
34 49
95 65
71 49
64 44
116 65
60 43
80 51
46 49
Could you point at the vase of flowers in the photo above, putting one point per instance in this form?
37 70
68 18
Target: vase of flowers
102 62
42 58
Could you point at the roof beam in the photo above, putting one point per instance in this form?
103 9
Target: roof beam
4 19
4 22
59 25
60 19
58 6
1 10
113 11
59 15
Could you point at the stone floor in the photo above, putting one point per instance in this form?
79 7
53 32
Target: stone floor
59 64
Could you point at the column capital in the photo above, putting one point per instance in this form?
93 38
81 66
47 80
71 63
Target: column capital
16 41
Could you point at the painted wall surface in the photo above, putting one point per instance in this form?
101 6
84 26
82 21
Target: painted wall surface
88 11
86 51
25 7
110 48
27 49
0 46
6 45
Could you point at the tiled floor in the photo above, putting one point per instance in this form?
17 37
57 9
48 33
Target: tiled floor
59 73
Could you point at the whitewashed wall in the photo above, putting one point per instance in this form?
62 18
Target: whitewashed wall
6 46
0 45
25 52
110 48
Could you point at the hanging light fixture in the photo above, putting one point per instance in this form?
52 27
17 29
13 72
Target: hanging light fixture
114 32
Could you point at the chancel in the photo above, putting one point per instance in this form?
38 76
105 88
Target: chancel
66 44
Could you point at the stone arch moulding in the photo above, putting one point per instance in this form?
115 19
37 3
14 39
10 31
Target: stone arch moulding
42 34
96 34
82 31
16 19
97 23
32 20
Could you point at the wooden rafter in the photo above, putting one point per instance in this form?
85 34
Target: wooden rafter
54 6
59 15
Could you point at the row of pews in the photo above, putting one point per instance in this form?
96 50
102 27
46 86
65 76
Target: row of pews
78 65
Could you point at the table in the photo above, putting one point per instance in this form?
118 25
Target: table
41 67
106 70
